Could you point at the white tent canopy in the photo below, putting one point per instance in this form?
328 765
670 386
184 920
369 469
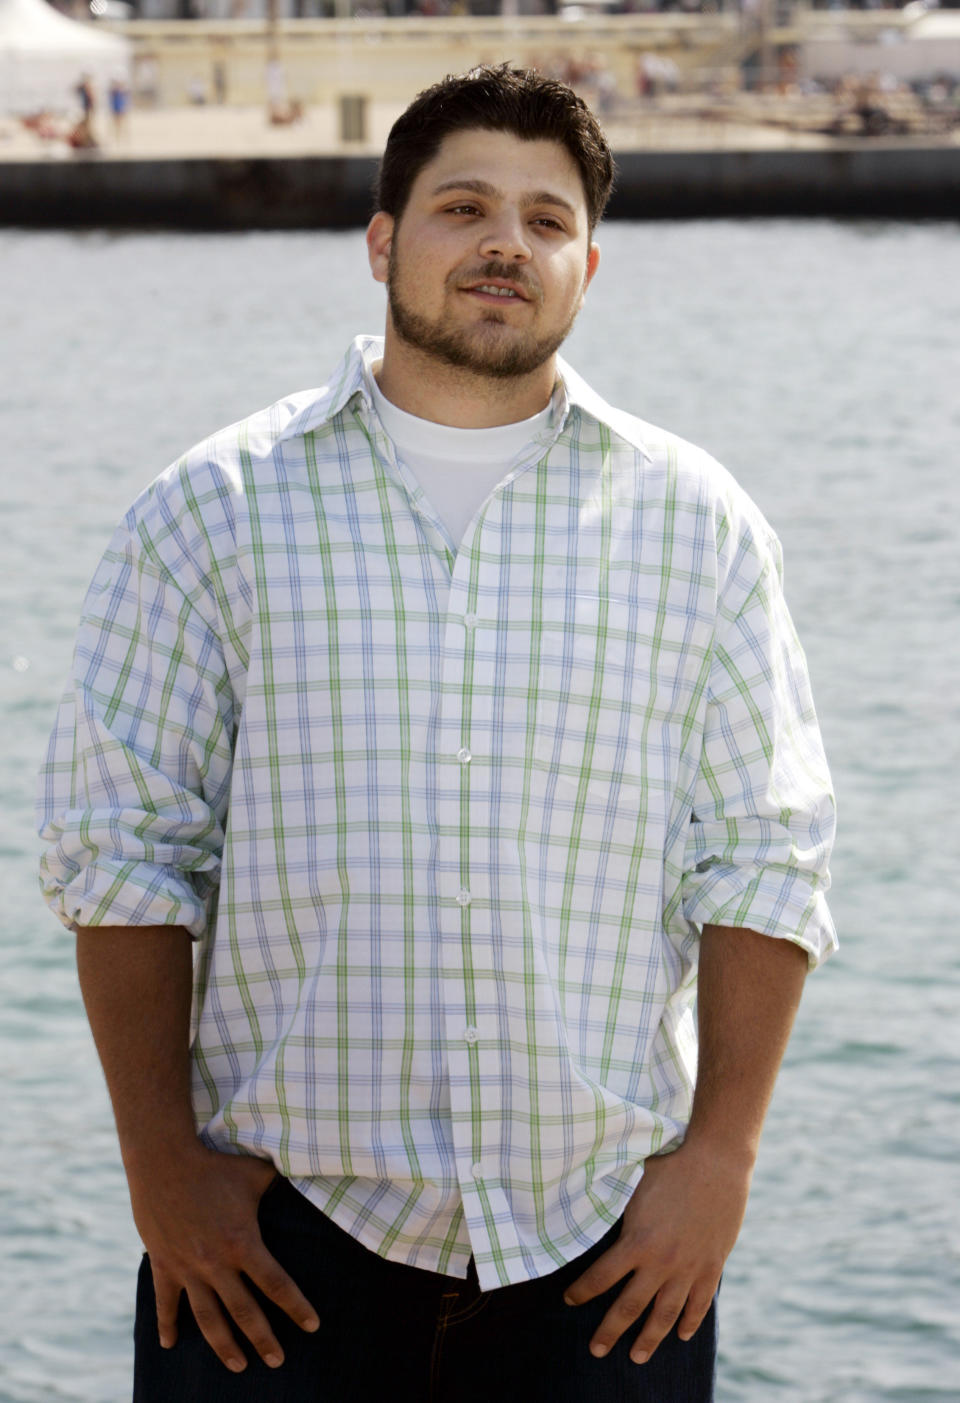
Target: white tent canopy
43 56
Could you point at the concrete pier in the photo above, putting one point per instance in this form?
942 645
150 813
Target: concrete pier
296 191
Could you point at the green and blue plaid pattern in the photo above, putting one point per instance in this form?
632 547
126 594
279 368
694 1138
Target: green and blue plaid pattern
445 818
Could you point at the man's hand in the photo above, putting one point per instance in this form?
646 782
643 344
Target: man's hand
197 1217
683 1220
678 1230
195 1210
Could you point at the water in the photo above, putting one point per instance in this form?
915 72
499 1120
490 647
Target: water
820 362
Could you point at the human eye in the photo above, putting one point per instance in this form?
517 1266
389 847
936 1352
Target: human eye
463 207
550 222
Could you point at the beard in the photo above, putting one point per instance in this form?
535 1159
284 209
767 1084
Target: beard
481 348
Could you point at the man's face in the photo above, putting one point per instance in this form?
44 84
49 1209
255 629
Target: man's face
487 267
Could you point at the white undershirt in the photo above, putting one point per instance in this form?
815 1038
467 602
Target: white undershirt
457 468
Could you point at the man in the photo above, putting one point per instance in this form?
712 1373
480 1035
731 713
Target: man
440 733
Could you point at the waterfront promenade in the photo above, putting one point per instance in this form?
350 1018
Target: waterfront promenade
233 132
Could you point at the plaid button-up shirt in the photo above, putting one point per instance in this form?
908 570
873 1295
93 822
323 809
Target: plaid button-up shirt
444 817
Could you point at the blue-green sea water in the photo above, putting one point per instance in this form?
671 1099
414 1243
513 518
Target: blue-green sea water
820 362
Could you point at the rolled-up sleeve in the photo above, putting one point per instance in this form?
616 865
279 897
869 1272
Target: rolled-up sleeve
764 815
134 787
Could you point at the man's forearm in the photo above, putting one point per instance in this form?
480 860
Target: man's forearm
137 985
748 989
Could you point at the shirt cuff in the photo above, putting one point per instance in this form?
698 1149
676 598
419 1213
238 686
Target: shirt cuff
772 901
125 894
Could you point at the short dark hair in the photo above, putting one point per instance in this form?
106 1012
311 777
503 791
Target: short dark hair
495 98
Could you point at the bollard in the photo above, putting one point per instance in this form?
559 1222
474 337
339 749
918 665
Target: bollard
353 117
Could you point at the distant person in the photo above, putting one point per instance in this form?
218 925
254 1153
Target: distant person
275 80
282 111
80 136
43 125
85 96
119 106
428 733
287 113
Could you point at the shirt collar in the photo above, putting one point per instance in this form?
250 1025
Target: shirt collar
354 376
578 395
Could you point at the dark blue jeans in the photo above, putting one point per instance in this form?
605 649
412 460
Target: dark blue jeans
390 1332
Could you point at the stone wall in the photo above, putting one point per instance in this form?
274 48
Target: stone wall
893 180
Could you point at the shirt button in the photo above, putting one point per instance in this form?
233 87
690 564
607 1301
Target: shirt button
471 1035
463 897
477 1171
464 755
470 620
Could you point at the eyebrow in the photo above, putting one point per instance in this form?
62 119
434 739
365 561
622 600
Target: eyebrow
483 187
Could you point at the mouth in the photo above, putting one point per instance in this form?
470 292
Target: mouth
496 291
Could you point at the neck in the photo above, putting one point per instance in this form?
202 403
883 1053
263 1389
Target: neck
431 389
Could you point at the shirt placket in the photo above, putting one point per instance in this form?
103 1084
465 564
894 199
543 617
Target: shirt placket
474 1054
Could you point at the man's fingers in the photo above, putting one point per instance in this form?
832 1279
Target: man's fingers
214 1328
243 1309
698 1303
605 1272
658 1324
625 1311
267 1273
226 1299
167 1294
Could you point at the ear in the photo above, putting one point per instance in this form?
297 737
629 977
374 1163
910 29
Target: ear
593 263
379 242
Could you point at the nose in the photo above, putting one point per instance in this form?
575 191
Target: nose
505 237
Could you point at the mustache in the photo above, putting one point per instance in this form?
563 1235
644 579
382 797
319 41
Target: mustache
504 271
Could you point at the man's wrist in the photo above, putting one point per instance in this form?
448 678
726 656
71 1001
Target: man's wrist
720 1148
155 1152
